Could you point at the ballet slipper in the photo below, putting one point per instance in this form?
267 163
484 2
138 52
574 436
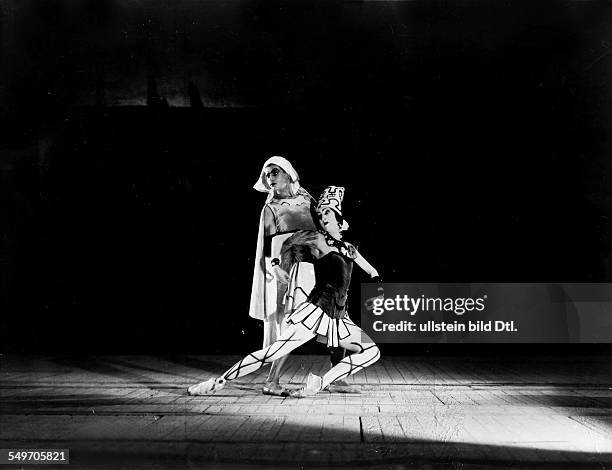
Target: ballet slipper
340 386
208 387
274 389
313 386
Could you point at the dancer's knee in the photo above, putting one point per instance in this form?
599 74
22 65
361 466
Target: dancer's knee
373 353
275 352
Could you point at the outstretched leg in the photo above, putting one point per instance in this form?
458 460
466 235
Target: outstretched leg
365 354
291 338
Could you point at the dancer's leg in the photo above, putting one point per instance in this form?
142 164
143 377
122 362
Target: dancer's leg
275 371
365 354
272 385
335 356
301 283
270 331
291 338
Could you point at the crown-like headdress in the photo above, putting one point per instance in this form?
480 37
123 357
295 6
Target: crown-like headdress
331 198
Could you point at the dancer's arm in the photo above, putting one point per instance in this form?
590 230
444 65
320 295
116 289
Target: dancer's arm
363 264
301 246
277 244
272 252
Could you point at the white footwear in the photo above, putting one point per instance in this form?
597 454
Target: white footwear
313 386
207 387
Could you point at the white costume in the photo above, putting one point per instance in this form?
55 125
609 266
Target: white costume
270 300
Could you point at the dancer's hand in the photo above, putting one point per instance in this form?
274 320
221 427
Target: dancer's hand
363 264
281 275
369 303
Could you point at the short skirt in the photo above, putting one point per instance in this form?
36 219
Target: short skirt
317 321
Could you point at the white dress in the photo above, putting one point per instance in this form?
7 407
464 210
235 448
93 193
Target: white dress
270 300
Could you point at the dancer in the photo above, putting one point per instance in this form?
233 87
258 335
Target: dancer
323 314
288 209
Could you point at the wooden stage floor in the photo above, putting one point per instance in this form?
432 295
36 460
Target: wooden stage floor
409 412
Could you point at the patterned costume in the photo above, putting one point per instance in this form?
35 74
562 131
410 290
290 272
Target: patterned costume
323 314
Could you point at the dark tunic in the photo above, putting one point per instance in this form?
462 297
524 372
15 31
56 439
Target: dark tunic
333 276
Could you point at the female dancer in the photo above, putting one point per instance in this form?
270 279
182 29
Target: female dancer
288 209
324 312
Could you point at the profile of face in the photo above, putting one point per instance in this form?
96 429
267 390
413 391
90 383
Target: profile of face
277 179
329 221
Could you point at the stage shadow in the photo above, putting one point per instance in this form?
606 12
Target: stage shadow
335 452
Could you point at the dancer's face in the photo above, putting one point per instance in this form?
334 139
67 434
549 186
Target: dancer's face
329 222
277 179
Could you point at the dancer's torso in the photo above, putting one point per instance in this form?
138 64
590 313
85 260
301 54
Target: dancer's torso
291 215
333 276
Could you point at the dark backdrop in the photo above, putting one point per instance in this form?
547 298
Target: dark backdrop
473 139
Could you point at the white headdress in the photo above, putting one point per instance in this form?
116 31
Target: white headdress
262 183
